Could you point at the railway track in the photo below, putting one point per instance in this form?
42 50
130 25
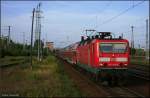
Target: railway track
139 73
118 91
122 92
140 67
20 61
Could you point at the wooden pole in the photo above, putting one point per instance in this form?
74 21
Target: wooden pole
32 36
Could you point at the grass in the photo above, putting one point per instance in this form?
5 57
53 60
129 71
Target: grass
12 60
139 61
46 79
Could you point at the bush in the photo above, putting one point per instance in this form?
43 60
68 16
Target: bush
17 49
132 51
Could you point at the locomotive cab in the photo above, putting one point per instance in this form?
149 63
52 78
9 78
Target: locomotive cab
112 58
113 53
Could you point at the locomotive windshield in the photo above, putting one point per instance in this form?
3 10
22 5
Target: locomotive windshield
113 47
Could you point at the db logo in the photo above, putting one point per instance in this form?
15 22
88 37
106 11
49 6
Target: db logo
113 59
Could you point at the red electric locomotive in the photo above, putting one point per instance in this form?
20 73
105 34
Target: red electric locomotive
105 57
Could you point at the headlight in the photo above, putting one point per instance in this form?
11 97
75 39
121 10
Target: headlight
104 59
122 59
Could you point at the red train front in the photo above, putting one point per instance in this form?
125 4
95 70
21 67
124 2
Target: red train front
104 53
105 57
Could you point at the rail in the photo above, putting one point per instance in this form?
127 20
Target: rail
14 62
139 73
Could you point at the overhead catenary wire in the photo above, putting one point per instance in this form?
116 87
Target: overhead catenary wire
121 13
137 27
100 11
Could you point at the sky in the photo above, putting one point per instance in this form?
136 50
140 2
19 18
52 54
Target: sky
63 22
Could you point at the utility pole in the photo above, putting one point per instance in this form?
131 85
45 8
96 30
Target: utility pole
38 30
23 40
46 43
0 43
32 35
147 36
40 44
8 35
26 44
132 38
122 35
0 33
139 46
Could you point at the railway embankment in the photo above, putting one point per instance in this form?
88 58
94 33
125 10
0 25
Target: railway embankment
45 79
54 77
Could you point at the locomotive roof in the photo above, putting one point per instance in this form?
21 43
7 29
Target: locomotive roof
85 42
102 36
105 36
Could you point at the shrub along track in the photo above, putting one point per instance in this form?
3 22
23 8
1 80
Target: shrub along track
93 89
